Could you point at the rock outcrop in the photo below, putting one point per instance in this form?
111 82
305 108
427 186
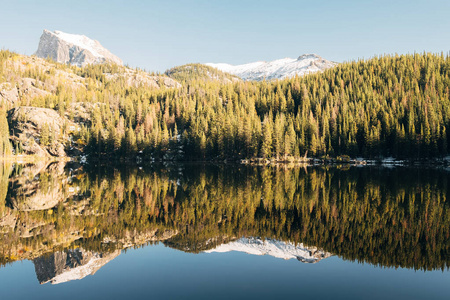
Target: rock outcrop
25 88
31 88
136 78
73 49
54 73
8 93
29 126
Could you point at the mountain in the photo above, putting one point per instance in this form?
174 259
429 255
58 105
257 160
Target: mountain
277 69
275 248
74 49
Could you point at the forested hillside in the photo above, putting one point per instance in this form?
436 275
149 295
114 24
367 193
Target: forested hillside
192 73
386 106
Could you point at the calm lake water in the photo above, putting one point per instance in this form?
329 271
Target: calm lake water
223 232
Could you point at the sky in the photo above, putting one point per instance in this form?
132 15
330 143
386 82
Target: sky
157 35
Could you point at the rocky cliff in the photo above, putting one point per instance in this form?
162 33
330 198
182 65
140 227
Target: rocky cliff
73 49
39 131
39 186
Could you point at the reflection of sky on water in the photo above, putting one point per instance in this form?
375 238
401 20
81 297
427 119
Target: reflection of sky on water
157 272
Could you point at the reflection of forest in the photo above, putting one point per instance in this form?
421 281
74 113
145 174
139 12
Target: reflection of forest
390 217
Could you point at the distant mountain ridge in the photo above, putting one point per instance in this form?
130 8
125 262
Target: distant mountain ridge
277 69
74 49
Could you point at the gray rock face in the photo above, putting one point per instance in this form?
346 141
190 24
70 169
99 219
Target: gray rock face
70 265
41 186
26 126
74 49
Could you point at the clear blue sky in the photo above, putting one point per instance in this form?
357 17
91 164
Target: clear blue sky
157 35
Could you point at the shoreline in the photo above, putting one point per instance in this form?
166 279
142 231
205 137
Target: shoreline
302 161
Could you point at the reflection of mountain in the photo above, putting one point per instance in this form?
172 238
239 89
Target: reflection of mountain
70 265
73 264
279 249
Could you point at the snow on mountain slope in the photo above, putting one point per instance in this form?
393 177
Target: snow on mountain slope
74 49
277 69
64 266
279 249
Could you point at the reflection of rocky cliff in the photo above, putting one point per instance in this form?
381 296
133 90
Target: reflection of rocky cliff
63 266
279 249
26 222
39 186
73 264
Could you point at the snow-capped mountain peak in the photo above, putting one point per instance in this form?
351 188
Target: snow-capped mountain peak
68 265
73 49
277 69
275 248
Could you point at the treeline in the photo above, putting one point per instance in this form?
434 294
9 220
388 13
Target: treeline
387 106
388 217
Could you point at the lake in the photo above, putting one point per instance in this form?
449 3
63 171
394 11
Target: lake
205 231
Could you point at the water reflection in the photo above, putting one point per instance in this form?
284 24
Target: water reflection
275 248
71 264
71 220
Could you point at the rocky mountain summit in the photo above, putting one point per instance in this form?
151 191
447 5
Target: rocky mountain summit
275 248
277 69
71 264
73 49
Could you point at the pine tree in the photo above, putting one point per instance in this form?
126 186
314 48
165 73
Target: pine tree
266 147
